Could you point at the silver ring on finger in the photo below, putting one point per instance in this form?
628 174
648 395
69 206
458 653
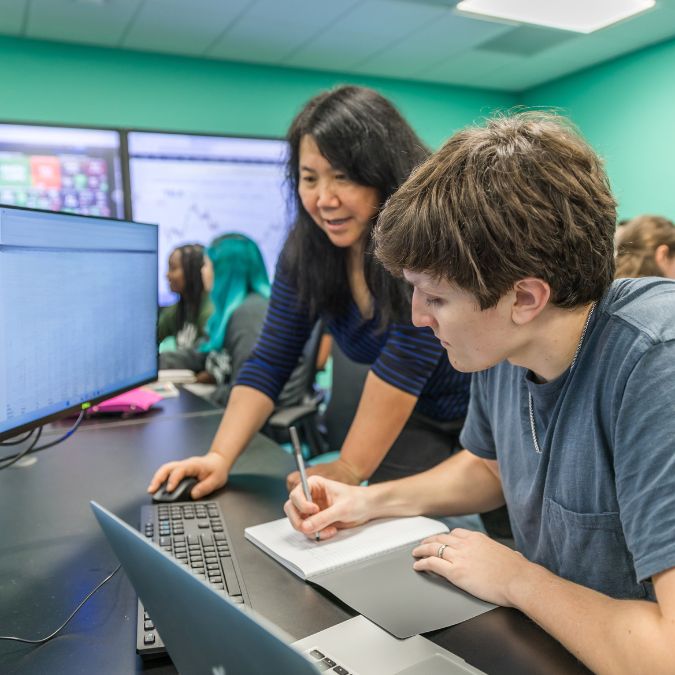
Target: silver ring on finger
441 550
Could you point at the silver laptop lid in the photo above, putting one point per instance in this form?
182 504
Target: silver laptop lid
203 631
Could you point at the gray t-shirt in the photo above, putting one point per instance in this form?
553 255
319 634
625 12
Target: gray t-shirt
597 507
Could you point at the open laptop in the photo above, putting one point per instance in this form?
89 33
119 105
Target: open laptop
206 633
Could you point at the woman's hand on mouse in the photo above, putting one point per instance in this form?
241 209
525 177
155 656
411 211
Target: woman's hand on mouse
210 470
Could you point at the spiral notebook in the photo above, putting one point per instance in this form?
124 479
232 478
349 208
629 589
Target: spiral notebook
370 569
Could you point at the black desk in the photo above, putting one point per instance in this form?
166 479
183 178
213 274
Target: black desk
186 404
52 553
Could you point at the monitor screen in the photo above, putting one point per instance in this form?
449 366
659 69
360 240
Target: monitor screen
197 187
61 169
78 312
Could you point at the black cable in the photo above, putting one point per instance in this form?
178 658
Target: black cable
12 459
68 433
41 641
21 440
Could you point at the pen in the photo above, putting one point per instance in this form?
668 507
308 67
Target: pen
297 451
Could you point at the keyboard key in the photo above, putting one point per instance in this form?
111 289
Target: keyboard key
230 577
340 670
322 666
149 639
148 625
315 653
330 662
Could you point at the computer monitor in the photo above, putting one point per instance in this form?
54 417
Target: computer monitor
61 169
197 187
78 313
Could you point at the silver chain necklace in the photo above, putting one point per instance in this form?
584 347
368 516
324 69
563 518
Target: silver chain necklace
535 440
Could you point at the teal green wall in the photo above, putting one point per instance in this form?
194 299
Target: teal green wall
73 84
626 109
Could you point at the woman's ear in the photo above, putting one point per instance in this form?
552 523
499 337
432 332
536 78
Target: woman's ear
531 295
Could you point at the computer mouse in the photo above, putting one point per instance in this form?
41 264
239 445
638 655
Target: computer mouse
180 494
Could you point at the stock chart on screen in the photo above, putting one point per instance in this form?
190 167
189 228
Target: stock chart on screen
198 187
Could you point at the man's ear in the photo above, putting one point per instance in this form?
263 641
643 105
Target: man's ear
530 297
661 257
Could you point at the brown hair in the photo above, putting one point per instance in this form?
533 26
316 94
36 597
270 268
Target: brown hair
522 196
636 244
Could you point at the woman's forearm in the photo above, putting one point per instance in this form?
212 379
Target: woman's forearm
246 412
380 417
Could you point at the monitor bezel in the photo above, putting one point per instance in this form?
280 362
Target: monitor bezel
41 421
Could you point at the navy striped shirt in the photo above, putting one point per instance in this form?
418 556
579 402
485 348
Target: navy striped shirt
408 358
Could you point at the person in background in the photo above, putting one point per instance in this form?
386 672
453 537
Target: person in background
233 274
645 247
350 149
180 325
506 235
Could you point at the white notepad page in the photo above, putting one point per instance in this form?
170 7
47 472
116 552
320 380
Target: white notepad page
307 558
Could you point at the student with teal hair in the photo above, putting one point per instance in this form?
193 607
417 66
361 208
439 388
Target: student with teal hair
234 274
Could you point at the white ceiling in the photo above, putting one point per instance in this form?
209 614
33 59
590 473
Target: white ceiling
422 40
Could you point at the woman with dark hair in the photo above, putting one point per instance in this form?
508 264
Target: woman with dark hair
350 149
182 324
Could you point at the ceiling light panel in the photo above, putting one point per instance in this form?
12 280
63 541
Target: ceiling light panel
580 16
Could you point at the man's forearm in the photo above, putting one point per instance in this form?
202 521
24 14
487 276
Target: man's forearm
462 484
608 635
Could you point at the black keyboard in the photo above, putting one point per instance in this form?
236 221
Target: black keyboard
194 533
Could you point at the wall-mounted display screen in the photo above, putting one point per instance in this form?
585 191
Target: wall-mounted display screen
61 169
197 187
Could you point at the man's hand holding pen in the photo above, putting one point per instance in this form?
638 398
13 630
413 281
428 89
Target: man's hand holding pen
333 506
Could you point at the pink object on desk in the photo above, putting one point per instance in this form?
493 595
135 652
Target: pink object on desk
134 401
